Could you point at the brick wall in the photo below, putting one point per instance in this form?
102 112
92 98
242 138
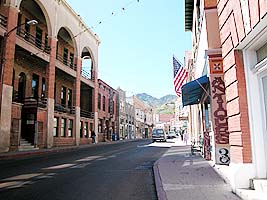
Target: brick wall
232 32
66 81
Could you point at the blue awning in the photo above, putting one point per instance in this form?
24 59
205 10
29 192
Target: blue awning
193 91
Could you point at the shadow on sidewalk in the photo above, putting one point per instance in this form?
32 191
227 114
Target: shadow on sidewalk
187 176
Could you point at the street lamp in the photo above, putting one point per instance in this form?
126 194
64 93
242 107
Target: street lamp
6 35
31 22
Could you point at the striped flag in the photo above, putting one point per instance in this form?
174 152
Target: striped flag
179 75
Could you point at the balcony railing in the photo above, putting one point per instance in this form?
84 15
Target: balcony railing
87 114
33 40
64 109
86 74
66 61
3 20
35 102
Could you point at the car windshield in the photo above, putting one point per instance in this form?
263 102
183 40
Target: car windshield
160 131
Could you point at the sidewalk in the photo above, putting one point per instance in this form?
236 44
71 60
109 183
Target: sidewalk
180 175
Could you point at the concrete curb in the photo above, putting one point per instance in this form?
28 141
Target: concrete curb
158 182
24 154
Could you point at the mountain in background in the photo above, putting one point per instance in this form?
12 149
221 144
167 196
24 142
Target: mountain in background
163 105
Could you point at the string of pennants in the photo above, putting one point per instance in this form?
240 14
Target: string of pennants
112 14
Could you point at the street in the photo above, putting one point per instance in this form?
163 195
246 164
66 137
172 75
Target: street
121 170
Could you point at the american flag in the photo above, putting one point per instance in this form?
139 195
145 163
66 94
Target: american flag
179 75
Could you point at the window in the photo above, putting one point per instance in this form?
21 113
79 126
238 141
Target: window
99 101
38 37
262 53
70 128
22 86
43 88
85 129
63 127
113 110
65 56
91 126
69 98
71 59
55 130
35 85
104 103
18 24
46 42
81 129
63 96
27 30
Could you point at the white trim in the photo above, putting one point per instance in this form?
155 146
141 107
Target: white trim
255 39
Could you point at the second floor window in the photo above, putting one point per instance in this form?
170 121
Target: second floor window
27 30
38 37
99 101
46 42
104 103
35 85
69 98
43 88
71 59
65 56
63 96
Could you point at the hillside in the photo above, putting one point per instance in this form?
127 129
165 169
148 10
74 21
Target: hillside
163 105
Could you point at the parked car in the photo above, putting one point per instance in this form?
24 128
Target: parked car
171 135
158 135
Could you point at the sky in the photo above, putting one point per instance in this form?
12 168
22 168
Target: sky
137 42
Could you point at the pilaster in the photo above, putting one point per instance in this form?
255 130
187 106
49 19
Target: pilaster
6 89
50 80
78 63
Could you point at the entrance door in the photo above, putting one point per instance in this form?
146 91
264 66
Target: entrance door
28 125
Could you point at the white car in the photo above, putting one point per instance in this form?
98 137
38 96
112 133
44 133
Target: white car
171 135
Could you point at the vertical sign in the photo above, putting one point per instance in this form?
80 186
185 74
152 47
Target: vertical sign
219 113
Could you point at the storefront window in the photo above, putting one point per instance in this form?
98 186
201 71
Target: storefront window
70 128
55 131
63 127
86 129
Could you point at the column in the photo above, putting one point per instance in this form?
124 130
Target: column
78 62
6 80
50 81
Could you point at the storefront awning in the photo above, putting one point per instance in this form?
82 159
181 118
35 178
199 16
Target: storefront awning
193 91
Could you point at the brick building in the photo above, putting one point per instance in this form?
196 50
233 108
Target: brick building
107 112
231 34
49 86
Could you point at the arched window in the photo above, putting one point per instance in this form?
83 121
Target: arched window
22 86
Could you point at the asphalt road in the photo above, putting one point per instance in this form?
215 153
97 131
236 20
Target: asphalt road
114 171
